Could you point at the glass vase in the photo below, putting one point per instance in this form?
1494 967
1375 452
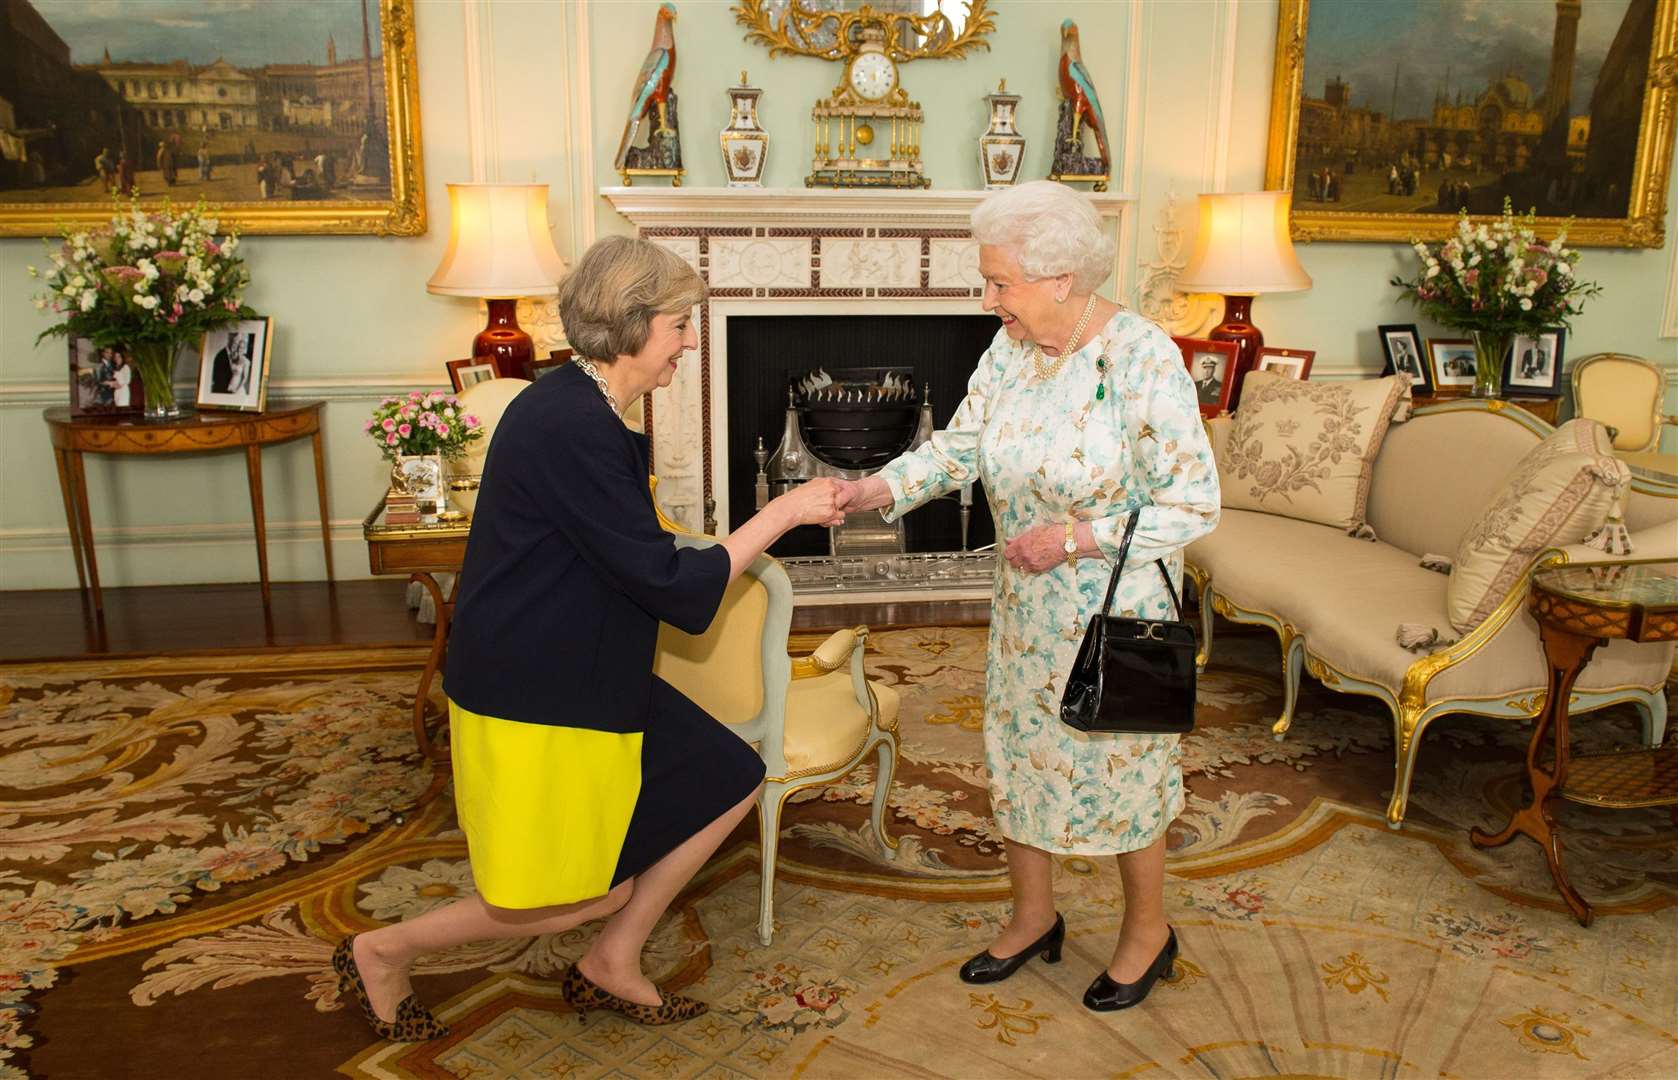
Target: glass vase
1490 349
154 363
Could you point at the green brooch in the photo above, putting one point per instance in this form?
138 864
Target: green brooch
1101 387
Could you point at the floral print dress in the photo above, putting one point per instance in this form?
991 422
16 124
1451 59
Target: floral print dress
1049 450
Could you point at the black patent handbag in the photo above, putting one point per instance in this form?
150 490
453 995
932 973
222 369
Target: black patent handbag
1133 676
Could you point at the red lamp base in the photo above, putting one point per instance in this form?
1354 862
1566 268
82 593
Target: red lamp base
1238 327
507 346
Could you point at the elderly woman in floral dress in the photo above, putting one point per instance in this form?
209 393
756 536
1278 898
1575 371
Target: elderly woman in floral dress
1078 415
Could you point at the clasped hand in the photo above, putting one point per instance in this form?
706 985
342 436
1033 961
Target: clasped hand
1039 548
819 502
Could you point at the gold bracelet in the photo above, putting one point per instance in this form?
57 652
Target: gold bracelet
1071 545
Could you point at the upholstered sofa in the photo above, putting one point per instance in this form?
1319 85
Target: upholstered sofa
1336 601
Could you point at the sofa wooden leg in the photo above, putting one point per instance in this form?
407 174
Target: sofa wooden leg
1293 666
1407 737
1204 656
1652 710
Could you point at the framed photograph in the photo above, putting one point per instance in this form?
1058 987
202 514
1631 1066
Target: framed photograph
1387 119
1451 361
233 366
1535 364
274 112
1210 364
539 367
1293 363
103 382
1401 343
470 372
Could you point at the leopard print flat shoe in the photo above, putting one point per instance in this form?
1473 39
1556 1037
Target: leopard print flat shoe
413 1023
582 995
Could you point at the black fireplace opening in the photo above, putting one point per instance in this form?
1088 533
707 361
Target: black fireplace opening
766 353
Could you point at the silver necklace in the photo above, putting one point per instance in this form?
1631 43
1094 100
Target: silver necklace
593 372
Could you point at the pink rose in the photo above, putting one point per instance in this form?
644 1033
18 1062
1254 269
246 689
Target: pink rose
405 430
415 395
391 440
443 430
368 426
472 421
389 424
405 411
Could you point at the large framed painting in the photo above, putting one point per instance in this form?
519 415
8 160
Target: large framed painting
288 116
1388 119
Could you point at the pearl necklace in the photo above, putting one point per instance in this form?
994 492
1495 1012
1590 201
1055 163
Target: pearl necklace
1049 371
588 368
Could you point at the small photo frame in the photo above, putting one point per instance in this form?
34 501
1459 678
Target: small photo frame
1401 343
1451 363
1210 364
103 382
537 368
470 372
233 366
1291 363
1535 364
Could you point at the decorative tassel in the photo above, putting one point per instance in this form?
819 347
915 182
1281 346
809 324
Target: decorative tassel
1613 538
1417 638
1362 531
1439 564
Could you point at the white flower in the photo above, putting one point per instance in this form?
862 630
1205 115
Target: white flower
89 298
148 268
196 296
1526 305
1563 268
1433 271
147 302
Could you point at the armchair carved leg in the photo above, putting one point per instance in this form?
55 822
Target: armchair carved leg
883 775
1408 724
1204 656
769 805
1652 710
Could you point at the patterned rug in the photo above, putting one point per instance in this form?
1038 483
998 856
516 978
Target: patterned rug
182 841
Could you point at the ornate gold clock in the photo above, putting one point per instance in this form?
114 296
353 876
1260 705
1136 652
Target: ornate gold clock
867 131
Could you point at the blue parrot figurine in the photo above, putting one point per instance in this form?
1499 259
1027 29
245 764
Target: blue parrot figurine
652 85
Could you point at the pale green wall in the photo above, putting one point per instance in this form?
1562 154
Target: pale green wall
353 320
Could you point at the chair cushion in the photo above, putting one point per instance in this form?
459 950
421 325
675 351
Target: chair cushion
826 727
1306 449
1558 493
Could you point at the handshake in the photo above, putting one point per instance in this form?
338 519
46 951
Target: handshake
826 501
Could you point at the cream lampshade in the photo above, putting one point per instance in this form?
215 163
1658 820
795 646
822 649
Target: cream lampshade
1242 249
500 248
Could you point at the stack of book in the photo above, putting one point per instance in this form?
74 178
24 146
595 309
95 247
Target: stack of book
401 509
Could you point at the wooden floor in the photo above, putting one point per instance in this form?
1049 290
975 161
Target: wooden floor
156 620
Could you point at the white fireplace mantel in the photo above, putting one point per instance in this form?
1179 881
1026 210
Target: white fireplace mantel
653 207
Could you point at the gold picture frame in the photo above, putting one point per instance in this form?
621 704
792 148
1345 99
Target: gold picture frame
1641 227
396 209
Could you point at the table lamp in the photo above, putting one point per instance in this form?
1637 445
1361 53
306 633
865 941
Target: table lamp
499 249
1242 249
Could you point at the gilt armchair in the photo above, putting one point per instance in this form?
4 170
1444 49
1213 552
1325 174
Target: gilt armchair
812 719
1625 393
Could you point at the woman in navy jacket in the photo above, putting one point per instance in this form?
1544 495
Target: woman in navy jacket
587 787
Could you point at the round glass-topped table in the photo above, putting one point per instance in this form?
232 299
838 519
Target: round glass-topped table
1578 608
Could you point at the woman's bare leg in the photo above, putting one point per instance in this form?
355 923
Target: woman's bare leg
1031 877
384 956
1144 931
613 962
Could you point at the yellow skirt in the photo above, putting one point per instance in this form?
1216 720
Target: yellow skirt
545 808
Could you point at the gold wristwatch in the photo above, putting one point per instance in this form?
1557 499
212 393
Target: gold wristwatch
1071 546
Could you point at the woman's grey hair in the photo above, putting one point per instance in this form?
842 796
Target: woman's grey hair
1051 229
608 301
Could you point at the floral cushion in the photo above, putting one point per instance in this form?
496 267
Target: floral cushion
1306 449
1559 493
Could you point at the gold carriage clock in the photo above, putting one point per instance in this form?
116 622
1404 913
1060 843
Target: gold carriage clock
867 131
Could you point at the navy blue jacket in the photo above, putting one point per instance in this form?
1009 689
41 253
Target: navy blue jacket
568 572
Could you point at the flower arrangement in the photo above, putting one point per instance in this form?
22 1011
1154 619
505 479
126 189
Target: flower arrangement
423 423
149 283
1497 280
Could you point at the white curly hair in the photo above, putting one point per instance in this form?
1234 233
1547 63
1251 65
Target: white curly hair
1051 229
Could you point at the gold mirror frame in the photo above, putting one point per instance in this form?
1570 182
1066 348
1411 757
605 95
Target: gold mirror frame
798 25
1642 227
402 214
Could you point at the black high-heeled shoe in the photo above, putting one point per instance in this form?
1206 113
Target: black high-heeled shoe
1107 994
986 968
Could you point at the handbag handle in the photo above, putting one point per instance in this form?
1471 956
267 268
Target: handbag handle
1118 569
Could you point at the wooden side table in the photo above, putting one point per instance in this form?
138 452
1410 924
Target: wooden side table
192 433
1545 408
1578 608
421 552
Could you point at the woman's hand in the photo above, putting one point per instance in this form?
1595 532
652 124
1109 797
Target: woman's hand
818 502
1039 548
